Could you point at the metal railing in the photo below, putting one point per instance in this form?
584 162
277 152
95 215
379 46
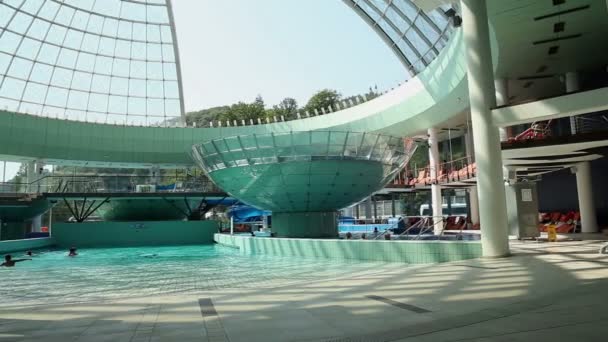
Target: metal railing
117 183
449 171
563 127
423 227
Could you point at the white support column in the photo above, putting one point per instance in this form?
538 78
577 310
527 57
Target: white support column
51 221
474 203
30 176
473 199
37 224
468 145
586 204
40 185
502 98
368 208
231 225
573 85
155 175
491 188
435 188
375 208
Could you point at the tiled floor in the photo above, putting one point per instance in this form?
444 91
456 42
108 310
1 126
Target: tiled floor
552 292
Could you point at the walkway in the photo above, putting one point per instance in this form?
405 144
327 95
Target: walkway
545 292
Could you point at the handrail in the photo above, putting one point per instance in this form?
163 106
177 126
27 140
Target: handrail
453 170
435 223
396 224
109 183
414 226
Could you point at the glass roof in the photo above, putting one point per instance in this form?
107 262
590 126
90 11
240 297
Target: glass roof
116 61
109 61
416 37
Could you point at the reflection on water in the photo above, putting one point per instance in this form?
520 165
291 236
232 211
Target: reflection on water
106 273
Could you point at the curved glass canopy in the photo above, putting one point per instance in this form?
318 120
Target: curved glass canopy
109 61
416 37
116 61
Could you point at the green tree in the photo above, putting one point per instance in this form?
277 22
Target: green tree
288 108
20 179
372 93
245 111
323 99
204 117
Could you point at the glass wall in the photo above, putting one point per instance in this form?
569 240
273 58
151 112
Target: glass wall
300 146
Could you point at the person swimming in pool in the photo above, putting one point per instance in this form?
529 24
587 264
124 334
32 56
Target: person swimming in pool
28 253
10 262
72 252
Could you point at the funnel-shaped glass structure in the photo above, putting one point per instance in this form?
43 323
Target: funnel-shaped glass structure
303 177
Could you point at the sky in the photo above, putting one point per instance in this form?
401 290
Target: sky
233 50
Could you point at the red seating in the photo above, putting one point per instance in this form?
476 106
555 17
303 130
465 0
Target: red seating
565 228
446 173
442 175
565 222
421 178
455 223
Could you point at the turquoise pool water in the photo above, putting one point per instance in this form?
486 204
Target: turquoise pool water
108 273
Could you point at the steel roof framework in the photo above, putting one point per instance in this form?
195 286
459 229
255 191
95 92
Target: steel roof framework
108 61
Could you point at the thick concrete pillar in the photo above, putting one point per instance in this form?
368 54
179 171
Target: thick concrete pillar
305 225
586 205
474 203
491 189
435 165
502 98
573 85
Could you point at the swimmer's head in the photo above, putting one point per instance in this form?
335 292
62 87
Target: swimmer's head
72 249
29 253
7 257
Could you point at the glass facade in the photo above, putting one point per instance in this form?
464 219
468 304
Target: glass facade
309 171
416 37
299 146
107 61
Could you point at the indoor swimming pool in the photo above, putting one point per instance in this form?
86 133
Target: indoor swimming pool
112 273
